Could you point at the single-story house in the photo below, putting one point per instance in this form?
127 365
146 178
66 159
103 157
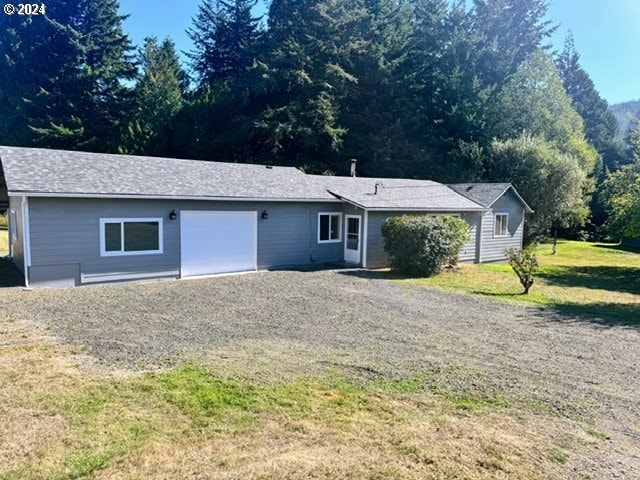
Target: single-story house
79 218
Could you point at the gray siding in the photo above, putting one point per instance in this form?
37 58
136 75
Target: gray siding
493 247
65 233
377 257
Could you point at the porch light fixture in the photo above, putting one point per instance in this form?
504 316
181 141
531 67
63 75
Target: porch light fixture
173 215
265 215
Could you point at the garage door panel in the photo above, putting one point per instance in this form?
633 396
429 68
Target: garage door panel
218 242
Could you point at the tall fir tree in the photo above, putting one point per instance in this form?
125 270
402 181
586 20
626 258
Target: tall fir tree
108 64
158 97
39 58
376 106
225 34
69 70
600 125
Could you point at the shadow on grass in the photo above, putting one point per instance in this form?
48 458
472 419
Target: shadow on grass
10 276
601 313
618 279
620 248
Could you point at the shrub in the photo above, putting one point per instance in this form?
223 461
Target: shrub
421 245
525 264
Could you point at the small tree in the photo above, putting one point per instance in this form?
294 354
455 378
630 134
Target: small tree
420 245
525 264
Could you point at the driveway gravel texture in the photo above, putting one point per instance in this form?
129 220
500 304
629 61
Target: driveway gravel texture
271 325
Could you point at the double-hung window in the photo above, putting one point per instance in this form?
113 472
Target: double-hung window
329 227
501 225
130 236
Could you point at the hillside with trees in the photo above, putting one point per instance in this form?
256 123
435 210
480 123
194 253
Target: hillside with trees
449 91
624 112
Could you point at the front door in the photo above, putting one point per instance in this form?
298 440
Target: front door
352 240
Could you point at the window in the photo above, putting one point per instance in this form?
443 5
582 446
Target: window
501 225
130 236
329 227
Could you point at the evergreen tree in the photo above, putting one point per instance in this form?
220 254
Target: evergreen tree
104 107
225 35
35 86
375 108
65 74
158 96
449 97
507 32
600 125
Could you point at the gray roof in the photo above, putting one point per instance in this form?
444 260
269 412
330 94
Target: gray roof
486 194
396 193
67 173
29 170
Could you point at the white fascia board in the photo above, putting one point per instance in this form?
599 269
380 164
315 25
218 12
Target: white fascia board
435 210
170 197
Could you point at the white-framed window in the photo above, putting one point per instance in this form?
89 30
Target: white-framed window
130 236
501 225
329 227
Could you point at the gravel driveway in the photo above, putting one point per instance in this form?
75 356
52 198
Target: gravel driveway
298 323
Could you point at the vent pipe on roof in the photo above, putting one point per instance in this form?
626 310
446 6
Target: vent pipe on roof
353 166
376 186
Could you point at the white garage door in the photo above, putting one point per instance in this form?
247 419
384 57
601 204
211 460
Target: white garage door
217 242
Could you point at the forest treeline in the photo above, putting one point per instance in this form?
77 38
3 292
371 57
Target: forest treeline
449 91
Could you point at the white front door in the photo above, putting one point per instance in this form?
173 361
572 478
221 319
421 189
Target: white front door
352 239
217 242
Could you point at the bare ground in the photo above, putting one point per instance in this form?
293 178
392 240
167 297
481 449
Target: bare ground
282 325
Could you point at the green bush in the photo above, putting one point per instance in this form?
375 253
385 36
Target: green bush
420 245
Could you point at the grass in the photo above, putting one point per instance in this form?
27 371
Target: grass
4 241
596 281
61 420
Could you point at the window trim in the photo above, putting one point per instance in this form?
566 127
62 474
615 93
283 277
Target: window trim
495 224
339 215
122 221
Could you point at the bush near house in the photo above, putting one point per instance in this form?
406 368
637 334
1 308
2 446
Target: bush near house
419 245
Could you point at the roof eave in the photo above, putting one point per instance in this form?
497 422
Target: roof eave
28 193
527 208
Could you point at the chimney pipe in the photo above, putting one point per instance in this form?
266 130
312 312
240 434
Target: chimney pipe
353 167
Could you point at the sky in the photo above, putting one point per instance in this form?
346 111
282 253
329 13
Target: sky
606 34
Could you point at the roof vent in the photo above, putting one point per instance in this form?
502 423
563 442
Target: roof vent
353 166
378 184
269 166
469 188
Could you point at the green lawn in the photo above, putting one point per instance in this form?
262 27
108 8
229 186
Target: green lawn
601 281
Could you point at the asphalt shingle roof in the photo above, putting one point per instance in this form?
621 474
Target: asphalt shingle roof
483 193
64 172
58 172
396 193
486 193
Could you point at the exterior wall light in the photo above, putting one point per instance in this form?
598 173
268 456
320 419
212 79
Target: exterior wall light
265 215
173 215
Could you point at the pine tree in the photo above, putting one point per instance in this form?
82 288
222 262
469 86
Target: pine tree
507 32
39 58
600 125
225 35
158 96
65 76
104 107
